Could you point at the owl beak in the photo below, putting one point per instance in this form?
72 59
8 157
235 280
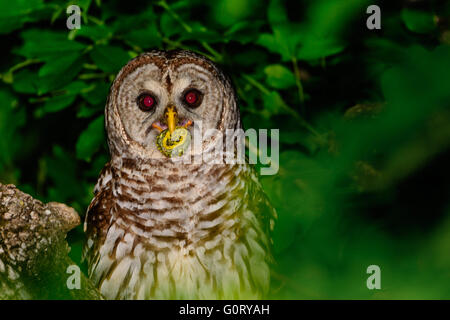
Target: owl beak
171 116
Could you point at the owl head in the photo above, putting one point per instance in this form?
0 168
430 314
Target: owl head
162 91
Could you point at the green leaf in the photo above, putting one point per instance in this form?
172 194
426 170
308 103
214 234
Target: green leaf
244 31
322 33
13 14
25 81
47 45
58 75
126 23
63 57
330 18
276 14
268 41
273 104
418 21
91 139
94 32
63 100
201 33
55 104
230 12
279 77
56 65
98 95
109 58
286 36
315 48
283 41
169 26
87 111
145 38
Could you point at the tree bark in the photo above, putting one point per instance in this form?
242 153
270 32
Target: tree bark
34 261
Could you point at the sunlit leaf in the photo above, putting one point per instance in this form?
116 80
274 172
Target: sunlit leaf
278 76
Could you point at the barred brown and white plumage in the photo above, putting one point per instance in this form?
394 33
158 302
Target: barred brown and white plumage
159 228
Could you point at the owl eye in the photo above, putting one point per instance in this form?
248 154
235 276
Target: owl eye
193 98
146 102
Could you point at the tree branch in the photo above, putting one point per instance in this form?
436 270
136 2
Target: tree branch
34 257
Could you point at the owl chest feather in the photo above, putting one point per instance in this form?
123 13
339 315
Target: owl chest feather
180 231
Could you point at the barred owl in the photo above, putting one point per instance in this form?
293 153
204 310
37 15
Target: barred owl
162 229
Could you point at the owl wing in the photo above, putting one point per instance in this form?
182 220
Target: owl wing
260 205
98 215
258 219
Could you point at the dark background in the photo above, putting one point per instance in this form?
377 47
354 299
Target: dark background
364 122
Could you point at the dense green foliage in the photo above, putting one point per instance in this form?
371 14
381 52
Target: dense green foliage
364 122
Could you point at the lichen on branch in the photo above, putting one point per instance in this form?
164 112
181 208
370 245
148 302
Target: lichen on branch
33 249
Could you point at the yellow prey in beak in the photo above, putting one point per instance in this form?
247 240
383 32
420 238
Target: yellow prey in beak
175 138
